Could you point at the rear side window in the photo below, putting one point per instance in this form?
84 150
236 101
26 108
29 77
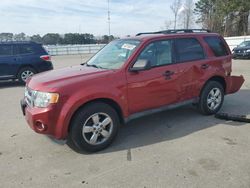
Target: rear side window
217 46
25 49
5 50
188 49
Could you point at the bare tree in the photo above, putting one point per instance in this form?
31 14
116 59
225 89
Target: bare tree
168 24
175 7
186 12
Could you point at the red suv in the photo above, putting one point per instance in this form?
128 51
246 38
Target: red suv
129 78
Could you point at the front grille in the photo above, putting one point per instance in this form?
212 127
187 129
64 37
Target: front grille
239 51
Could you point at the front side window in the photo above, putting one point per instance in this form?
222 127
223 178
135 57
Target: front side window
114 55
5 50
188 49
158 53
216 45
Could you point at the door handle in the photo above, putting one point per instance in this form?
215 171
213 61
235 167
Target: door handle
168 74
204 66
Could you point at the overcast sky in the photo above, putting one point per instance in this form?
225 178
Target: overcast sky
85 16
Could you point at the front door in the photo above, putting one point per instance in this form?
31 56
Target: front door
157 86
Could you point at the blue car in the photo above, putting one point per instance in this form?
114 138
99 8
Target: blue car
20 60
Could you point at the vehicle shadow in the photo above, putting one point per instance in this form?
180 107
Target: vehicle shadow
9 84
174 124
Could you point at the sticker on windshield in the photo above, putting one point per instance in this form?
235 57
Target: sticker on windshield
128 46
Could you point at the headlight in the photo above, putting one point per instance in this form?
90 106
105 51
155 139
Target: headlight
40 99
43 99
248 50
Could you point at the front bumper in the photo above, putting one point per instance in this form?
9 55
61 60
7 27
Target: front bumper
41 120
234 83
241 55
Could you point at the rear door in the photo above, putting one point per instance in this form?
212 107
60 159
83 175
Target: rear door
6 60
158 86
191 59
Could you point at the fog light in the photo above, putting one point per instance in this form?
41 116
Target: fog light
40 126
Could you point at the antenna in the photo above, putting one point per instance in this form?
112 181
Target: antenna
109 17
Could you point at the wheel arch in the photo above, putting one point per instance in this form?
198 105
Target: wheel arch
24 66
219 79
108 101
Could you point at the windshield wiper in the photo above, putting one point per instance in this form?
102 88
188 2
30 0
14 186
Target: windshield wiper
93 65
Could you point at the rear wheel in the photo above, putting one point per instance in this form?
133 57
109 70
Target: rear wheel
25 73
211 98
94 127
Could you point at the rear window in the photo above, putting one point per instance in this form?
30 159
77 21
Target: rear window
188 49
5 50
217 46
25 49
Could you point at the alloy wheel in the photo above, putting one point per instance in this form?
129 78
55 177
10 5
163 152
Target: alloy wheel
97 128
26 74
214 99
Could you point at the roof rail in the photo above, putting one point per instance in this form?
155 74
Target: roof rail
148 33
172 31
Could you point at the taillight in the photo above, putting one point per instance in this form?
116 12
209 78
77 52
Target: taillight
45 57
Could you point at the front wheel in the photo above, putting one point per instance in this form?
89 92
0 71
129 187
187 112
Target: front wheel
94 127
211 98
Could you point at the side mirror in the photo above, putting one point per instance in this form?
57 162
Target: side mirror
140 65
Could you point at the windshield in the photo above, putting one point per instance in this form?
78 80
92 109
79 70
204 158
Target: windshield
114 55
244 44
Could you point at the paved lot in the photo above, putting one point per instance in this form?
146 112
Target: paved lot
178 148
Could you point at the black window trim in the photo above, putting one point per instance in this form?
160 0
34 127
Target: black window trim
175 50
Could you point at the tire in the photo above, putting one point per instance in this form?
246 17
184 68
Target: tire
25 73
211 98
94 127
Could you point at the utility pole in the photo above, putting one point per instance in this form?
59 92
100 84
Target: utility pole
109 19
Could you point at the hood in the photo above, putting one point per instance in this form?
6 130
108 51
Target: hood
51 80
242 48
